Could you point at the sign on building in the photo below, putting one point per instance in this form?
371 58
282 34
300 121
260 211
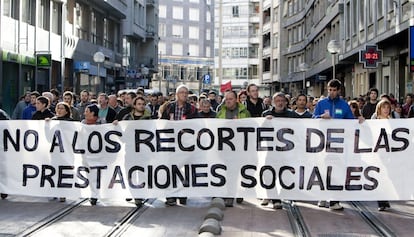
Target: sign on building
44 60
371 56
411 40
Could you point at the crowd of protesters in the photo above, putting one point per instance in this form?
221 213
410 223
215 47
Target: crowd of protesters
89 108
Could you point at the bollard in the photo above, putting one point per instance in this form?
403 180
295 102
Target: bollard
210 225
219 203
214 213
206 234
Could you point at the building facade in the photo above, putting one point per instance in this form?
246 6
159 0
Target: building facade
186 42
303 29
237 41
67 34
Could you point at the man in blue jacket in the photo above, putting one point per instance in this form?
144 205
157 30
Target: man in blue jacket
333 107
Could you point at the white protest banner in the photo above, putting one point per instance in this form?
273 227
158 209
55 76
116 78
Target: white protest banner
299 159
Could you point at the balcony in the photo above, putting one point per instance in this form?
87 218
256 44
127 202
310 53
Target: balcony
266 77
115 7
266 27
152 3
267 4
267 51
150 31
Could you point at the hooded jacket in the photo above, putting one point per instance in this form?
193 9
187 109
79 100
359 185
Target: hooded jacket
338 108
242 111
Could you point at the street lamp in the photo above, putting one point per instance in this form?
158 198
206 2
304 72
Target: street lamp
98 58
304 67
333 47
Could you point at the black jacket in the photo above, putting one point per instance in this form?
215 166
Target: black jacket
38 115
284 114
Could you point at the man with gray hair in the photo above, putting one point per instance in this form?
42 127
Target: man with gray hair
179 109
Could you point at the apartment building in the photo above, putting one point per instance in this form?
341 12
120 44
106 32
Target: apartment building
75 45
186 42
237 41
303 29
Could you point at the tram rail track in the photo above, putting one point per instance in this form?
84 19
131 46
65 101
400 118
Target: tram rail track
296 220
300 224
381 228
300 229
128 220
52 218
117 230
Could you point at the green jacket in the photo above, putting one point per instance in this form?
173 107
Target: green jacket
129 116
242 113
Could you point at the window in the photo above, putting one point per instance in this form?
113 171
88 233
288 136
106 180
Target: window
235 11
193 32
44 17
348 20
275 71
57 18
276 40
162 29
177 49
162 49
208 52
162 11
208 16
380 9
177 31
29 11
276 14
194 14
354 17
178 13
106 33
11 8
208 34
361 15
371 9
93 28
81 16
193 50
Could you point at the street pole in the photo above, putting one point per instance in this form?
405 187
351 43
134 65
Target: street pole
99 74
160 74
334 48
99 58
333 66
304 83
